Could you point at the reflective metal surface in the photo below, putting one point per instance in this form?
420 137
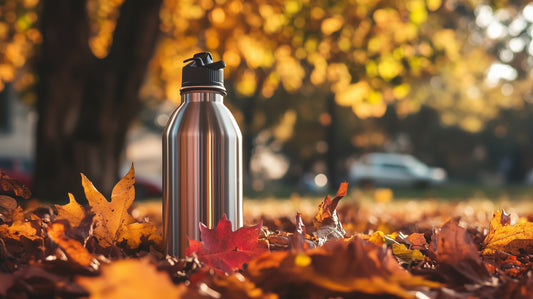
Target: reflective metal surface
202 169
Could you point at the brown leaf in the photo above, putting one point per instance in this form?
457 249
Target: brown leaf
326 221
34 281
131 278
234 286
10 186
8 203
112 220
299 241
237 286
457 256
417 241
339 268
515 239
73 249
6 282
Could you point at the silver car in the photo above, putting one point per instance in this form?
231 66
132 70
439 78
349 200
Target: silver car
394 170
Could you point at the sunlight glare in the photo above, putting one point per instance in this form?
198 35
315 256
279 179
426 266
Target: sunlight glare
517 26
484 16
498 71
496 30
321 180
527 12
517 44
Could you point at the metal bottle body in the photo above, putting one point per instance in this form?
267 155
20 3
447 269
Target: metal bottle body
202 169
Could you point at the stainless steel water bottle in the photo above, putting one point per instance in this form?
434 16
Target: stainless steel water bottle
202 157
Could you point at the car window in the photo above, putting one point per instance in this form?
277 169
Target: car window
394 167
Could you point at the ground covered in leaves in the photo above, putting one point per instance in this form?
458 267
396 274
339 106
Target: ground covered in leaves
349 248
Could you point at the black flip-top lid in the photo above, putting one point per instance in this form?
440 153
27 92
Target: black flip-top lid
202 73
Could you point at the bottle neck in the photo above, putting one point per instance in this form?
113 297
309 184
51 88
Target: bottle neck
201 96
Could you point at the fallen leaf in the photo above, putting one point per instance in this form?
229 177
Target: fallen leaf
234 286
326 221
457 256
515 239
131 278
224 249
73 212
8 203
417 241
112 220
145 230
20 227
6 282
378 238
10 186
407 255
72 248
339 268
298 241
179 270
35 280
383 195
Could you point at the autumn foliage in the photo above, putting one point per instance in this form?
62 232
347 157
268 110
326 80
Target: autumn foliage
101 250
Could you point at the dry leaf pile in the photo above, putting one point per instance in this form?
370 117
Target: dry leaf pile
101 250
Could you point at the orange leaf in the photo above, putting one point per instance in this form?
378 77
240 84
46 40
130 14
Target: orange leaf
132 278
73 212
10 185
19 227
74 249
326 221
514 239
339 269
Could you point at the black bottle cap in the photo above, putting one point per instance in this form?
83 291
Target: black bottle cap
201 73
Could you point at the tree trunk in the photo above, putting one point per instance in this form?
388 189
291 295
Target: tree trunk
86 104
331 137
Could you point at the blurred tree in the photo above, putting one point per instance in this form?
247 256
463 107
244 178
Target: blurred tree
361 55
88 99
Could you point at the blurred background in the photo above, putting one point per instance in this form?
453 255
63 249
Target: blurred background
317 87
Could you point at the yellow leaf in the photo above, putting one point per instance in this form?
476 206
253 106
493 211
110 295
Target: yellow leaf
121 279
73 212
135 231
377 238
514 239
112 220
407 255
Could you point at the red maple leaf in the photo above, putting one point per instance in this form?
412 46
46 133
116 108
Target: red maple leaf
227 250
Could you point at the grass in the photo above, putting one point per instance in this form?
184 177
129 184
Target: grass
474 204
